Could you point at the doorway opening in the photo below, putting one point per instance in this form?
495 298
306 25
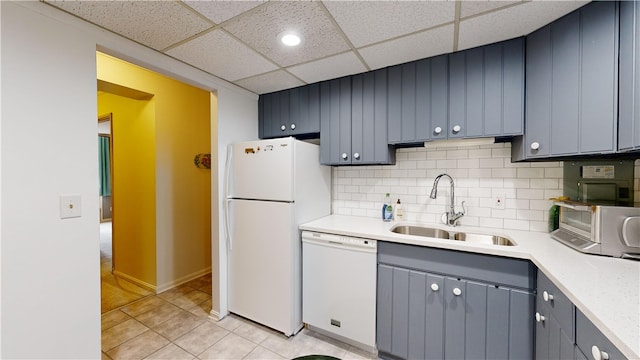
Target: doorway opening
114 291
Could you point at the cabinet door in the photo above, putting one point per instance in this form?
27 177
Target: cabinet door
629 78
457 94
599 78
305 110
270 112
565 85
394 103
538 94
335 121
369 119
432 93
384 313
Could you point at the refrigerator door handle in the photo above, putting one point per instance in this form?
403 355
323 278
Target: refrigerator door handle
227 174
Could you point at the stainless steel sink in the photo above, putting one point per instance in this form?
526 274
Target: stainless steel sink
483 239
420 231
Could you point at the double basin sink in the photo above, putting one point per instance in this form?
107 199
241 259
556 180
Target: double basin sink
417 230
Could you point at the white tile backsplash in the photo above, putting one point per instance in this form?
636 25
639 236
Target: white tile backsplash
480 174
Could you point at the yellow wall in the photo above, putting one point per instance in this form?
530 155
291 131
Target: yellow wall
182 128
134 230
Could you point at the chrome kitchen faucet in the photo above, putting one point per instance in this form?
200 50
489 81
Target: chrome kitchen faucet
452 216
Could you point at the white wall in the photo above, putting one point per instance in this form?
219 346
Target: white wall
480 173
50 281
50 267
244 126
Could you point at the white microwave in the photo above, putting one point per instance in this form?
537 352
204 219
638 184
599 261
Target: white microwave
600 229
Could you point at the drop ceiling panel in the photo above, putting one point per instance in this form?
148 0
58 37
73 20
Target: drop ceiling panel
512 22
156 24
260 30
329 68
367 22
422 45
470 8
219 11
273 81
222 55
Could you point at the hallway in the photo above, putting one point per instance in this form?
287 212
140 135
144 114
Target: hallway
114 292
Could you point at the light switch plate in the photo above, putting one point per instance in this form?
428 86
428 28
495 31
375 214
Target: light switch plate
70 206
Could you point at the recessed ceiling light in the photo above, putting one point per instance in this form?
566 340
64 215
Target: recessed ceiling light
290 38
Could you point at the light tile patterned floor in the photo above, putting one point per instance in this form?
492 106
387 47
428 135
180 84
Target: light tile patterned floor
175 325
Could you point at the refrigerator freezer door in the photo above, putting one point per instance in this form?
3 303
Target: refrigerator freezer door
262 170
264 264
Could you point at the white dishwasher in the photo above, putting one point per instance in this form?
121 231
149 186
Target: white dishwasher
339 287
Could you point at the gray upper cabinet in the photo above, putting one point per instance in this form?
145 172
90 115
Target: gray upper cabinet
292 112
417 100
486 91
629 102
467 94
353 116
572 85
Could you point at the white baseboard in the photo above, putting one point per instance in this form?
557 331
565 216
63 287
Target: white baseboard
136 281
214 315
182 280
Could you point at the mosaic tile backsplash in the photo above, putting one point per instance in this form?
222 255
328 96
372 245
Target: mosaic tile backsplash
481 174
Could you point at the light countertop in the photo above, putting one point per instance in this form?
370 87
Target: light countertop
605 289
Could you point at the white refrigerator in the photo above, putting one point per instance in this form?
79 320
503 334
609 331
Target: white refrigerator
271 187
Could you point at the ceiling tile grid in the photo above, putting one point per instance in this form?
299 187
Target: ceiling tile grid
270 82
409 48
220 11
367 22
238 40
329 68
156 24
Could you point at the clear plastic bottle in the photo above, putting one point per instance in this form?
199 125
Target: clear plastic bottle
387 209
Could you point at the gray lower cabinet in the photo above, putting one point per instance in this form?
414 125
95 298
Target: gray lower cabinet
442 304
629 96
562 331
592 343
292 112
353 119
572 86
555 325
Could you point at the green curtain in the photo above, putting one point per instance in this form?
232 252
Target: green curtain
105 166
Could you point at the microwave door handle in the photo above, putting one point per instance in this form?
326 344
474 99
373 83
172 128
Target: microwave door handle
626 227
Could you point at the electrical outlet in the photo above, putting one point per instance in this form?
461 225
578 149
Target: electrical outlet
70 206
498 201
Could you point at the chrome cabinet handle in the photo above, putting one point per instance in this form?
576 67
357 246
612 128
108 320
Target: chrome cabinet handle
283 128
457 292
546 296
356 156
437 130
435 287
539 318
344 156
456 129
535 145
293 126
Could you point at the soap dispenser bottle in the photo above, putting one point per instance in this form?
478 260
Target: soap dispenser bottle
398 212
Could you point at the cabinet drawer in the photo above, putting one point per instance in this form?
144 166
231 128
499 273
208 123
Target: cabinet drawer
558 304
588 337
488 268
